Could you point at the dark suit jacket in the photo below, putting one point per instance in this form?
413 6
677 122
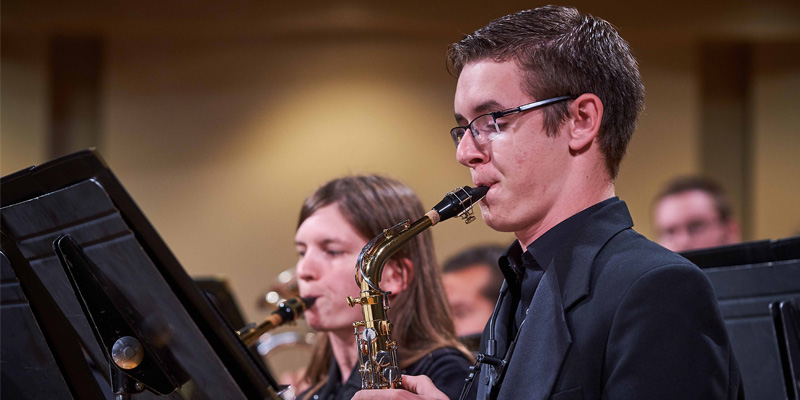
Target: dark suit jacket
616 316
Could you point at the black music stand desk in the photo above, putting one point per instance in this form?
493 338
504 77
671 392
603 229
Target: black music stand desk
51 344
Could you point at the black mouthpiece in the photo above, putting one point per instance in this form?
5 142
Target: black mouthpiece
458 200
292 308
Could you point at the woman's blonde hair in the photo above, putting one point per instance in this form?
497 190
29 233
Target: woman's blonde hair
420 315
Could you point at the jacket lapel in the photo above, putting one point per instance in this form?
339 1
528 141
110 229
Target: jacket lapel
574 266
544 338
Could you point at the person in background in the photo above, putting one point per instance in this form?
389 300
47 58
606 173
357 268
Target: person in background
472 281
336 222
694 212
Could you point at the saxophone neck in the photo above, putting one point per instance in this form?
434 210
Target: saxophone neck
382 247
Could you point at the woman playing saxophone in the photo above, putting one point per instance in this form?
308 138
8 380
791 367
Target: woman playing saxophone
336 222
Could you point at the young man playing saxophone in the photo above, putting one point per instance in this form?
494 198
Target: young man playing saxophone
547 101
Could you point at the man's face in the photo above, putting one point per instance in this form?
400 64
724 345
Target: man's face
689 220
523 167
464 288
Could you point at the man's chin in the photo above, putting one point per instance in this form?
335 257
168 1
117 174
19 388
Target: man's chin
498 224
486 213
492 222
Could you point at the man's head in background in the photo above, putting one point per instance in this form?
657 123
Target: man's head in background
472 281
694 212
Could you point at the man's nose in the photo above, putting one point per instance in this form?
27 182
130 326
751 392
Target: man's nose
469 153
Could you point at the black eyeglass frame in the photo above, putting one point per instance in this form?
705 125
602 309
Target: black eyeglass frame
502 113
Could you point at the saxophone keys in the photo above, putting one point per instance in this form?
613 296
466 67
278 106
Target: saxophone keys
368 300
363 300
385 327
368 335
392 377
363 347
383 359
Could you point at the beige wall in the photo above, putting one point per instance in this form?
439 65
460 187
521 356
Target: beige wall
23 101
665 143
776 140
220 124
221 165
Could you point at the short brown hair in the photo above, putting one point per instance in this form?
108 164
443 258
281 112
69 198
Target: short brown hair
564 52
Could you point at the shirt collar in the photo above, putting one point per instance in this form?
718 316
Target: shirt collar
541 252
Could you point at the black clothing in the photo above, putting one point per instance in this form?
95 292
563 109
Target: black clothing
527 266
613 316
447 368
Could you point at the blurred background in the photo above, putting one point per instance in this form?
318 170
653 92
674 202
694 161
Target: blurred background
219 117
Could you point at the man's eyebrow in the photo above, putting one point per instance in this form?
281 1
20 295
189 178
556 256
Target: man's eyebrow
482 108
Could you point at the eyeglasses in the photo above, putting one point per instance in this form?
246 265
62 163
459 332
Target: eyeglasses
485 128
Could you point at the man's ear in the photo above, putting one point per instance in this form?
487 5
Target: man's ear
585 114
397 275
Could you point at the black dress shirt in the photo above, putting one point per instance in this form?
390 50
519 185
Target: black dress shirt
523 271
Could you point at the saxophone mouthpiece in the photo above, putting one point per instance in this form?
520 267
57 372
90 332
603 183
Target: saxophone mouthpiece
460 202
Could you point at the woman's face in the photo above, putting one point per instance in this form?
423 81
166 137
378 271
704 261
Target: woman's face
328 247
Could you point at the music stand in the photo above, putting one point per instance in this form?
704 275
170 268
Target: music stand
786 316
77 200
218 292
747 279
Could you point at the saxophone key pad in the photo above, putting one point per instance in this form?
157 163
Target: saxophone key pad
390 374
368 335
382 359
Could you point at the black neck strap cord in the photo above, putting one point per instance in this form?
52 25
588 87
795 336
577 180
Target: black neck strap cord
489 357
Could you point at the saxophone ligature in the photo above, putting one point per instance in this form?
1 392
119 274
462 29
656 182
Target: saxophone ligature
377 352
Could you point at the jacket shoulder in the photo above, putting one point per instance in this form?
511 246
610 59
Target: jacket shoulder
638 255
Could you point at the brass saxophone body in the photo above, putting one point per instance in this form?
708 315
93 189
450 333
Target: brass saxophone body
377 352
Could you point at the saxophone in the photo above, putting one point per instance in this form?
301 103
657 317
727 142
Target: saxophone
287 311
377 352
